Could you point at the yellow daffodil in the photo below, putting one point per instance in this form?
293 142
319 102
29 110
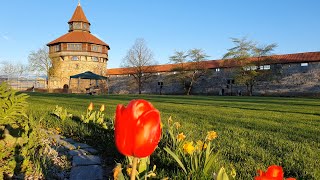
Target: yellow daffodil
170 120
102 108
181 137
58 130
129 170
211 135
201 146
90 107
116 171
177 125
188 148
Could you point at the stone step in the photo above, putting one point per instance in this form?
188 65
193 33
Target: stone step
86 172
85 160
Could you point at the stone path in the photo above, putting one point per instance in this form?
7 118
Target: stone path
86 164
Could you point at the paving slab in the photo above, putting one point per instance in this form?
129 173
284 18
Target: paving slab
85 160
86 172
78 152
66 144
70 140
81 145
91 150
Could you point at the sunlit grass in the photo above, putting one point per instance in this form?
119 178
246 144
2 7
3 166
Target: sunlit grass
254 132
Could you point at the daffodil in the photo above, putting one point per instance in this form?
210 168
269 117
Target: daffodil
102 108
90 107
116 171
129 170
201 146
188 148
177 125
181 137
211 135
170 120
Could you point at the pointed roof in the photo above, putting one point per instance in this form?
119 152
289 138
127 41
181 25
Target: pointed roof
79 15
78 37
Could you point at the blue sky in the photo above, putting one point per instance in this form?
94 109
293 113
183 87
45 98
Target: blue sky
166 25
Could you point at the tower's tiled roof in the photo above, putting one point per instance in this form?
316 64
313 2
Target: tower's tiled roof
78 37
79 15
211 64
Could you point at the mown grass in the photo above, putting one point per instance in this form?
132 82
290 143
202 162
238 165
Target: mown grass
254 132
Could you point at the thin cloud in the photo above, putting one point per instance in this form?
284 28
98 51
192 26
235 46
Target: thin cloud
5 37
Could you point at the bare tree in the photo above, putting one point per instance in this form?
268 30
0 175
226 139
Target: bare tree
20 69
40 62
8 69
189 67
140 59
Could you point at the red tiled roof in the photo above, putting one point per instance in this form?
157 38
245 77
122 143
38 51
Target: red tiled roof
79 15
78 37
211 64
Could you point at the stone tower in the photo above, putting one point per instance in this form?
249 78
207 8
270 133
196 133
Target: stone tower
76 52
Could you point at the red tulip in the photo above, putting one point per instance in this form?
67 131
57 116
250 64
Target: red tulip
273 173
137 128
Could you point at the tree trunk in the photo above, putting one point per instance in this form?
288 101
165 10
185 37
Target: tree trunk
248 90
139 84
191 84
251 89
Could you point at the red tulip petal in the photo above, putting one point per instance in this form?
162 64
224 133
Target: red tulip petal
148 133
122 133
137 128
139 107
275 171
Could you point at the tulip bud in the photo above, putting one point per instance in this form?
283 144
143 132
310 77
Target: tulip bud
90 107
102 108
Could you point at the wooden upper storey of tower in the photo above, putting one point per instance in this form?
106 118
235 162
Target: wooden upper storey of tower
79 37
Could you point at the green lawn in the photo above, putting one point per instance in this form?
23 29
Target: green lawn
254 132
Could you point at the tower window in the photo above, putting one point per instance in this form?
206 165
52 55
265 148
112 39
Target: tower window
76 25
85 26
75 58
57 48
96 48
75 46
96 59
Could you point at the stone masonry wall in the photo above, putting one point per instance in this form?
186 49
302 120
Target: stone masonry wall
64 68
286 80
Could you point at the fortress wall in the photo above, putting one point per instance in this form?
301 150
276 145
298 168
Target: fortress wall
290 79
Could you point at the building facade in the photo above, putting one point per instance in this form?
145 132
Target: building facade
76 52
288 75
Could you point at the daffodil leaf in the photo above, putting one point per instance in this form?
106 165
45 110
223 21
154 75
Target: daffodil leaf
222 175
175 157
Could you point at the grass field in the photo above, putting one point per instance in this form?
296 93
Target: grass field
254 132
